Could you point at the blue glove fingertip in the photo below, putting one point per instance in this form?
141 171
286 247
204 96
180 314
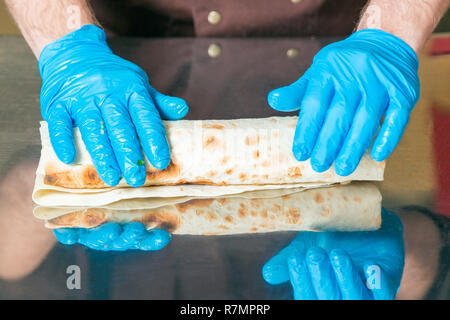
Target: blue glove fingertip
101 235
301 153
133 233
339 258
174 108
111 177
315 255
135 175
155 240
66 236
274 274
284 99
318 167
162 164
344 169
295 261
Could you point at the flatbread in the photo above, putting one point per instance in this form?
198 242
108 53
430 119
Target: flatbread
210 158
351 207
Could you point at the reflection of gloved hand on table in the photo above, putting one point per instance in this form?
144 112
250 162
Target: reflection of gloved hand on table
336 265
110 100
342 97
115 237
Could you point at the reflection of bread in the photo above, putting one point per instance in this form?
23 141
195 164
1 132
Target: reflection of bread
212 152
356 206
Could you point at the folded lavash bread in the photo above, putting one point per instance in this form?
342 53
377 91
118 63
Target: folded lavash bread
209 158
349 207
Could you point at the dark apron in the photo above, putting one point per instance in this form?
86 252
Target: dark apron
238 18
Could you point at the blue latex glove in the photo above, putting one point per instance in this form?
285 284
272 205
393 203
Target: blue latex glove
338 265
115 237
342 97
110 100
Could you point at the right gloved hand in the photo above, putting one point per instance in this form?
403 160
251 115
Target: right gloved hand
112 236
342 265
111 101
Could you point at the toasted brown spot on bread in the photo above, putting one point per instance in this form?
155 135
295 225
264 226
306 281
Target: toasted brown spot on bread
211 173
199 212
171 171
229 171
86 177
294 172
256 154
293 216
199 180
225 159
264 213
255 203
221 226
318 197
211 216
195 203
229 219
242 212
285 197
251 140
330 193
357 199
243 177
276 208
253 213
326 211
213 126
223 201
345 198
80 219
254 229
209 141
160 219
91 177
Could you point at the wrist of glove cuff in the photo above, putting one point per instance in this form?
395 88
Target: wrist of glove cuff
389 42
83 39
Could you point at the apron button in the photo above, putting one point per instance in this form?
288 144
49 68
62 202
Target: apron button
214 17
214 50
292 53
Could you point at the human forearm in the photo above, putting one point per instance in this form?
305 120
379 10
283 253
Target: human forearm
422 248
410 20
44 21
24 241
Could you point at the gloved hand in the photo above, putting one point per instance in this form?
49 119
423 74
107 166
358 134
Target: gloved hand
350 85
110 100
115 237
342 265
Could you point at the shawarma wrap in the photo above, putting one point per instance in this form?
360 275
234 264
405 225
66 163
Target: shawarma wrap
210 158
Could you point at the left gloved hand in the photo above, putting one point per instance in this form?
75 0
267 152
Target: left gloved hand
115 237
341 265
350 85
